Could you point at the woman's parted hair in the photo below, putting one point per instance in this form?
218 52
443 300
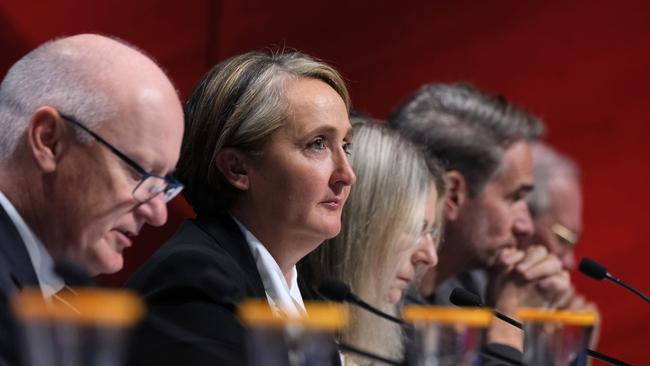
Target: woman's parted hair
386 206
239 103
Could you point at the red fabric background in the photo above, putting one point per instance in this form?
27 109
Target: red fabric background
584 67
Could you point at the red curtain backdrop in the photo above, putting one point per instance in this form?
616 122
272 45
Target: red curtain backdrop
583 66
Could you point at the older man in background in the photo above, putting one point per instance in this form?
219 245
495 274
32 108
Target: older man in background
556 208
91 130
556 203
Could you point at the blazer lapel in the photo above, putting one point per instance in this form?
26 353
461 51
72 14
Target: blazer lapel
231 239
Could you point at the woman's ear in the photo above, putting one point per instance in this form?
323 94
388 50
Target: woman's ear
45 138
457 195
232 164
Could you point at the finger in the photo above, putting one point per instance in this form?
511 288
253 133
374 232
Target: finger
563 298
578 303
533 255
548 266
511 257
557 287
506 260
590 306
574 303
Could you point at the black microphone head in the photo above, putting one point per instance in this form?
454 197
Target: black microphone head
461 297
592 269
334 290
73 274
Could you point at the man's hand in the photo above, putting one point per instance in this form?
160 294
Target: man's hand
578 302
529 278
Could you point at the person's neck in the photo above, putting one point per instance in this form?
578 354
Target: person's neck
285 249
24 192
452 259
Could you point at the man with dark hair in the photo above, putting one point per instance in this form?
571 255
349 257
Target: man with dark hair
91 128
484 143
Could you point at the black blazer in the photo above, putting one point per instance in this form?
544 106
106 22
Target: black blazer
192 286
16 272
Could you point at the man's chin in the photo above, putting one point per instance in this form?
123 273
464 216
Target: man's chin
107 263
114 266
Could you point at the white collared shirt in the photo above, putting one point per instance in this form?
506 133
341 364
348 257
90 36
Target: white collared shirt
278 293
41 260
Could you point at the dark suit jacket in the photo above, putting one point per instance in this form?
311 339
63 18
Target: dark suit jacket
16 272
192 286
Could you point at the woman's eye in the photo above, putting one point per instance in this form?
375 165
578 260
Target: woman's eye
318 144
433 231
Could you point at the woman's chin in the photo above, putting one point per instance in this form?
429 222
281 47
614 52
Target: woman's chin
394 295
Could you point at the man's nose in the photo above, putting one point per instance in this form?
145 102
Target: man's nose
523 226
154 211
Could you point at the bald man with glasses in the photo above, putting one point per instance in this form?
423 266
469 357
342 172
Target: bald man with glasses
91 132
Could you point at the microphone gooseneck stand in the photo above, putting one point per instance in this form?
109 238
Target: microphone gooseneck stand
462 297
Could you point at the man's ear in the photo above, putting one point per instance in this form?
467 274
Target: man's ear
232 163
457 194
45 138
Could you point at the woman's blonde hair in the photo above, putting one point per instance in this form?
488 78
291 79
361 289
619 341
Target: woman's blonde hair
382 217
239 104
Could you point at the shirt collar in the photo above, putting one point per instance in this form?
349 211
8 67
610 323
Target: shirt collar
285 296
42 262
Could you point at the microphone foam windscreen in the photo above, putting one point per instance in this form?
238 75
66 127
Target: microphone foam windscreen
462 297
334 290
592 268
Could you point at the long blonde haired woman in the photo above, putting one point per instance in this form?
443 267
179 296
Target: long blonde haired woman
389 228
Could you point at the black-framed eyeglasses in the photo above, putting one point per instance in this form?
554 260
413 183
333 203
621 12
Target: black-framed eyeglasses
150 185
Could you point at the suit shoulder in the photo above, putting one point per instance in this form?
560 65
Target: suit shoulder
191 260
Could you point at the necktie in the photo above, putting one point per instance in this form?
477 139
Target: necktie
65 297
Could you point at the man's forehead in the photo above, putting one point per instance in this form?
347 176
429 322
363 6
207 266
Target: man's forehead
153 143
516 166
566 202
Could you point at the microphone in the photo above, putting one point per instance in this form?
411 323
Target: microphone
340 292
597 271
200 341
593 269
461 297
230 297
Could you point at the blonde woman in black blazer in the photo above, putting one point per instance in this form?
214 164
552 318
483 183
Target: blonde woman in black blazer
265 165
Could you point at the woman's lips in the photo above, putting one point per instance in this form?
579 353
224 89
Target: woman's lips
332 204
404 282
